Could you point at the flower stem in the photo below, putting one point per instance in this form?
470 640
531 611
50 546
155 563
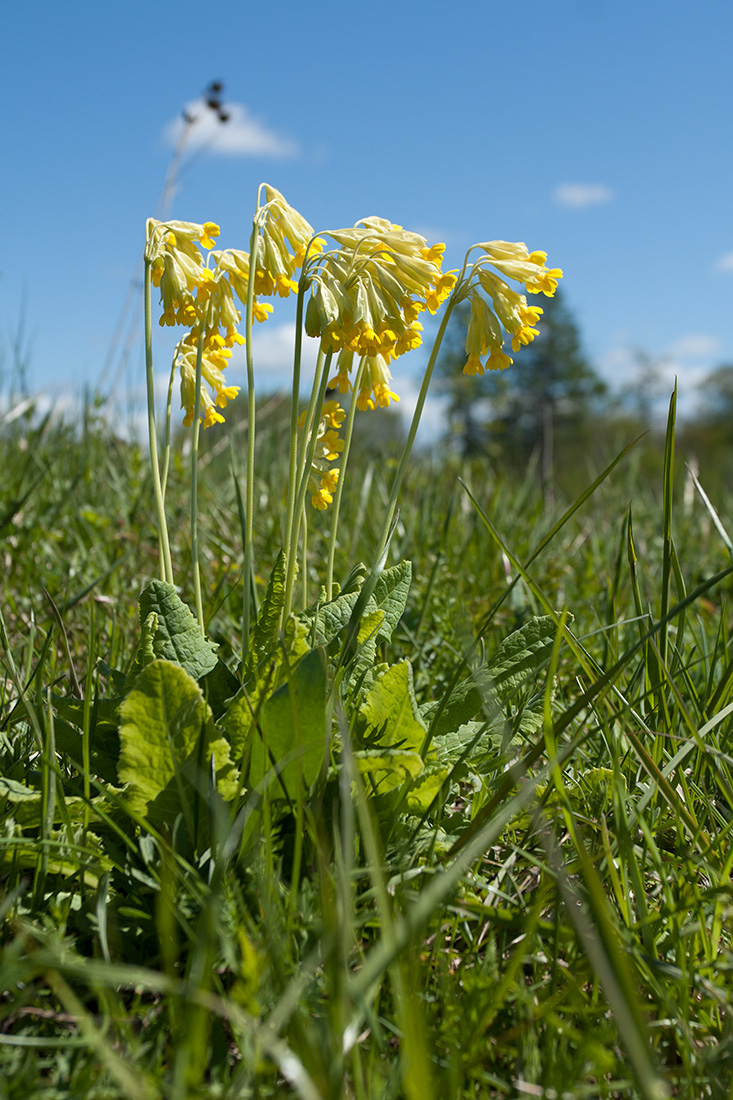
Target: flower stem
309 440
340 486
250 486
166 566
167 437
294 402
195 481
409 442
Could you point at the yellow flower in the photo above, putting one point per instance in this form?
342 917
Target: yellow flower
213 360
285 237
498 360
191 231
367 295
329 481
509 312
375 389
333 414
474 364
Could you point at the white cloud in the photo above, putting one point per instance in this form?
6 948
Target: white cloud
698 345
724 263
689 360
434 419
579 196
242 135
272 351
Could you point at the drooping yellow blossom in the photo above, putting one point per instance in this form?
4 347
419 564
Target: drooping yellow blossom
213 361
201 299
322 478
374 390
509 312
366 297
285 238
235 264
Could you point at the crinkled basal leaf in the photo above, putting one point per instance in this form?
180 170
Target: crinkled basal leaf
361 675
167 740
178 636
389 767
244 708
425 787
297 641
330 618
465 701
390 594
219 686
522 654
104 748
243 712
390 709
146 649
14 791
473 748
266 634
293 730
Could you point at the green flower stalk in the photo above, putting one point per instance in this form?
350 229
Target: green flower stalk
166 566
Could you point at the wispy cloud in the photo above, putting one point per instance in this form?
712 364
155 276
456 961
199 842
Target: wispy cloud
725 262
579 196
695 345
242 135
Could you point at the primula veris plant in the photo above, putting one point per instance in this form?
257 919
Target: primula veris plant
360 293
270 727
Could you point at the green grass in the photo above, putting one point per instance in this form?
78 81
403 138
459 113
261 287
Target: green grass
553 918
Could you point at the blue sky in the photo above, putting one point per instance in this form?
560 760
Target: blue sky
599 132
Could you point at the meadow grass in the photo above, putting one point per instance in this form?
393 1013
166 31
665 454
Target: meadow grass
543 910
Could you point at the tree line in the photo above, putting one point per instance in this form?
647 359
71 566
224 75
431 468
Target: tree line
553 413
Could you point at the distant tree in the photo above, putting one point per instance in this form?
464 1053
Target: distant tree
550 388
717 397
647 394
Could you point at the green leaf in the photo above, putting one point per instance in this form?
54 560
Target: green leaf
466 701
361 673
243 711
266 633
523 653
167 741
390 709
330 618
14 791
178 637
219 686
390 594
146 649
425 787
104 747
293 729
390 767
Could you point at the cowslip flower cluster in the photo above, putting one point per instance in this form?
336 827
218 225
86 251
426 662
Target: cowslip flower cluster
510 312
201 300
366 297
201 297
323 478
285 238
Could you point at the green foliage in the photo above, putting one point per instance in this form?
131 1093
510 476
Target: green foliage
174 633
168 743
293 731
464 851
